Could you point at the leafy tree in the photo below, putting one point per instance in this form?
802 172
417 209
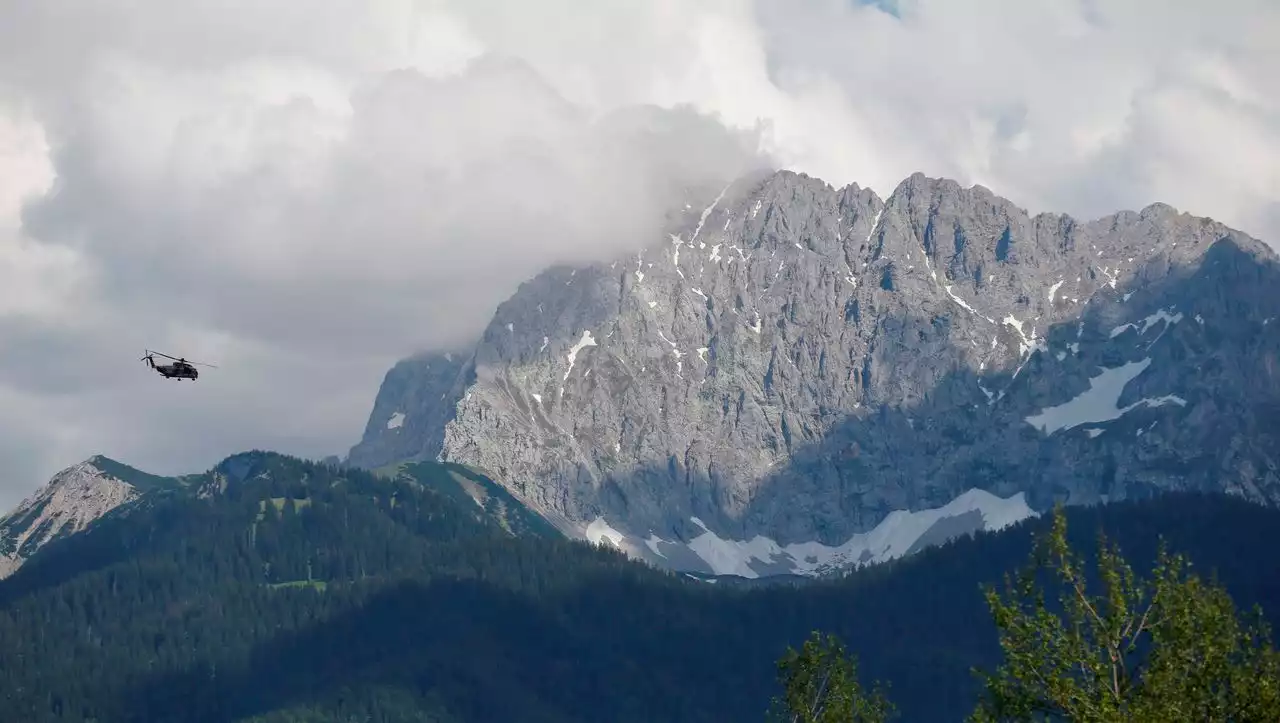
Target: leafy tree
1163 649
820 683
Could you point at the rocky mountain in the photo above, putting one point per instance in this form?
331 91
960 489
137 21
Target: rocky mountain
67 504
422 384
796 366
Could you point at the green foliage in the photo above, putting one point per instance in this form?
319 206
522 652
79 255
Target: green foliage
469 487
378 704
140 480
271 589
1143 650
820 685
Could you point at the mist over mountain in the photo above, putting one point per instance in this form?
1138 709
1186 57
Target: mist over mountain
799 379
771 386
569 361
304 198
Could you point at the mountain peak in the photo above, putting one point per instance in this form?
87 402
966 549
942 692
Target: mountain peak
69 502
87 472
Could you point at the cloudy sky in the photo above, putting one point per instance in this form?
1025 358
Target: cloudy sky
302 192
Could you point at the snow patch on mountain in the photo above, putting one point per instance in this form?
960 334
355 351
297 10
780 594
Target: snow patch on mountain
586 341
599 531
1101 402
900 533
1159 316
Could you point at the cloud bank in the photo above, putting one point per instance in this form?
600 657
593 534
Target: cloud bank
303 193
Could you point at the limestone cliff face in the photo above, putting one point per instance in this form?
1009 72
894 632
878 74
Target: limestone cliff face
795 362
413 405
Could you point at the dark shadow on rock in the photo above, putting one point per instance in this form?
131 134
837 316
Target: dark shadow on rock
1222 359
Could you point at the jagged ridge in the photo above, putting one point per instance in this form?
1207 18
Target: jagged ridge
796 362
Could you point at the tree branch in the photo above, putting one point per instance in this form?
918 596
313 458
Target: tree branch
822 688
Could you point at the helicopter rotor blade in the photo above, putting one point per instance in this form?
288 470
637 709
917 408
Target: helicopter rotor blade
188 361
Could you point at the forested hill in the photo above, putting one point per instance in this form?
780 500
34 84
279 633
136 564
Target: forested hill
273 590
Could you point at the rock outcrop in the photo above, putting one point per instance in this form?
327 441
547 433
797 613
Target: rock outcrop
67 504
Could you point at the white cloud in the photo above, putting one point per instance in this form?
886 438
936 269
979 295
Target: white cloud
35 279
304 192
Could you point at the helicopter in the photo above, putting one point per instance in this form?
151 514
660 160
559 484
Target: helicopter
179 369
